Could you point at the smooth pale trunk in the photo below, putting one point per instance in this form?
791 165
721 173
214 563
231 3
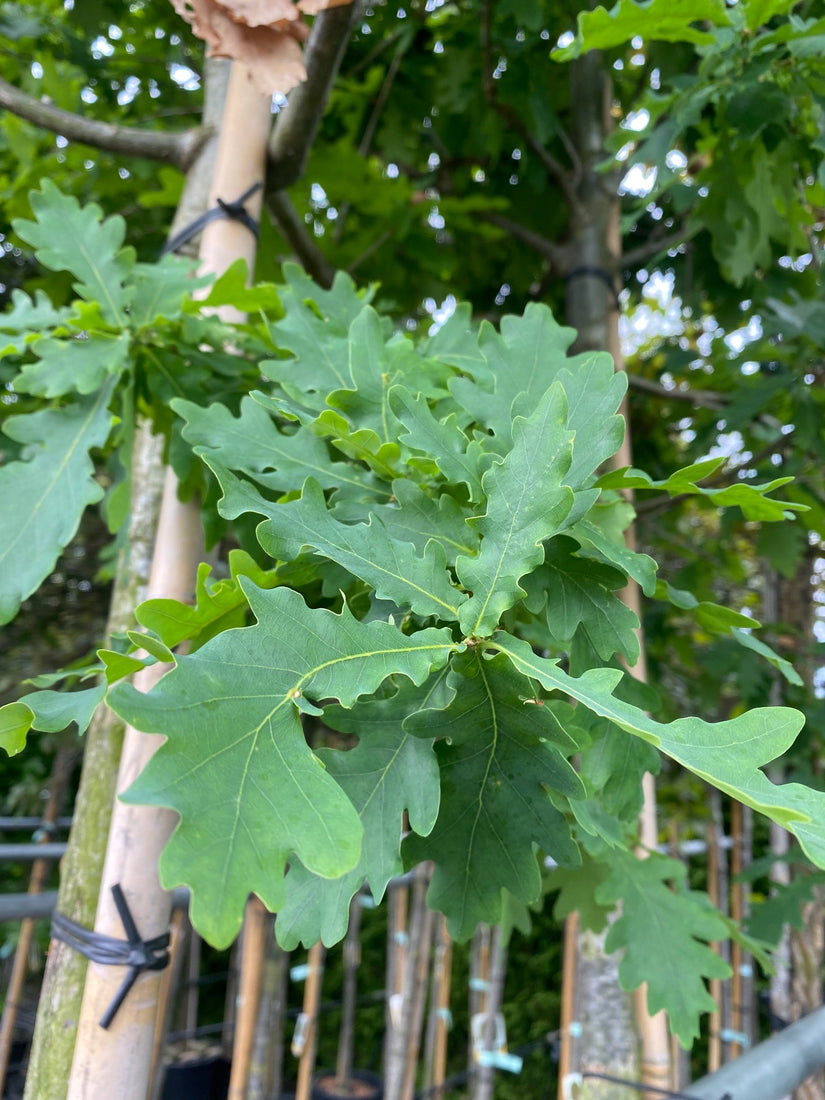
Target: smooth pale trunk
117 1062
616 1034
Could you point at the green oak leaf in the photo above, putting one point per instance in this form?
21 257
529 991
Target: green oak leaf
523 360
80 366
68 237
391 567
15 723
387 772
526 503
31 316
499 759
576 892
459 459
657 21
42 497
315 331
252 444
54 711
746 639
163 289
664 931
578 592
592 538
236 766
456 343
729 755
752 499
219 605
231 288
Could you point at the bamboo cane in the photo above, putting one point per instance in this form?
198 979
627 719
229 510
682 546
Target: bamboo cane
309 1021
568 1000
61 769
253 948
715 984
266 1072
170 980
397 950
116 1062
435 1048
485 1074
352 960
415 984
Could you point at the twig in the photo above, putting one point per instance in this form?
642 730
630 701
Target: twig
295 128
708 399
295 232
653 247
554 168
179 148
554 252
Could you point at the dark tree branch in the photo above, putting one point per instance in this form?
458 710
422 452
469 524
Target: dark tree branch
294 231
565 179
179 149
555 253
653 247
296 126
708 399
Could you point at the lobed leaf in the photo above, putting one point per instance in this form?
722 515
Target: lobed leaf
664 932
500 756
391 567
69 237
389 771
728 755
526 503
42 497
236 767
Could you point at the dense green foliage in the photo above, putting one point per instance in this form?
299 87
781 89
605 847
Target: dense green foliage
429 510
441 585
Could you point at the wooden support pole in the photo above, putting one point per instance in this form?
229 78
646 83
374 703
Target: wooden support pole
117 1062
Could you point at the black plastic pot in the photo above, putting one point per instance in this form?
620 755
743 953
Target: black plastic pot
200 1079
363 1086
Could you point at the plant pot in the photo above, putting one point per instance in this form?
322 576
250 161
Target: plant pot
362 1085
201 1078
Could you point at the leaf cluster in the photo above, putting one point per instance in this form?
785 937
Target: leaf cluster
429 563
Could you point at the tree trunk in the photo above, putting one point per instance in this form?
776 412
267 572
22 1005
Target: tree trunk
592 309
58 1010
116 1062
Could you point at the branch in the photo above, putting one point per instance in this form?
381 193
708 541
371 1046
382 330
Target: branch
708 399
179 149
296 126
554 252
554 168
653 247
294 231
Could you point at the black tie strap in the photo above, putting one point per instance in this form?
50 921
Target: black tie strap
137 954
233 210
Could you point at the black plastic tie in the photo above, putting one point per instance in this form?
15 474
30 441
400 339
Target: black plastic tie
235 211
136 953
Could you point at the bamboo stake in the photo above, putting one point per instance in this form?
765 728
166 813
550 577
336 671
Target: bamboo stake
568 1000
421 936
117 1062
485 1074
308 1020
253 948
435 1047
397 950
266 1072
715 984
479 977
192 995
352 960
170 980
61 770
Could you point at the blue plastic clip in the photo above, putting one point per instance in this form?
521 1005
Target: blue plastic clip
299 973
727 1035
